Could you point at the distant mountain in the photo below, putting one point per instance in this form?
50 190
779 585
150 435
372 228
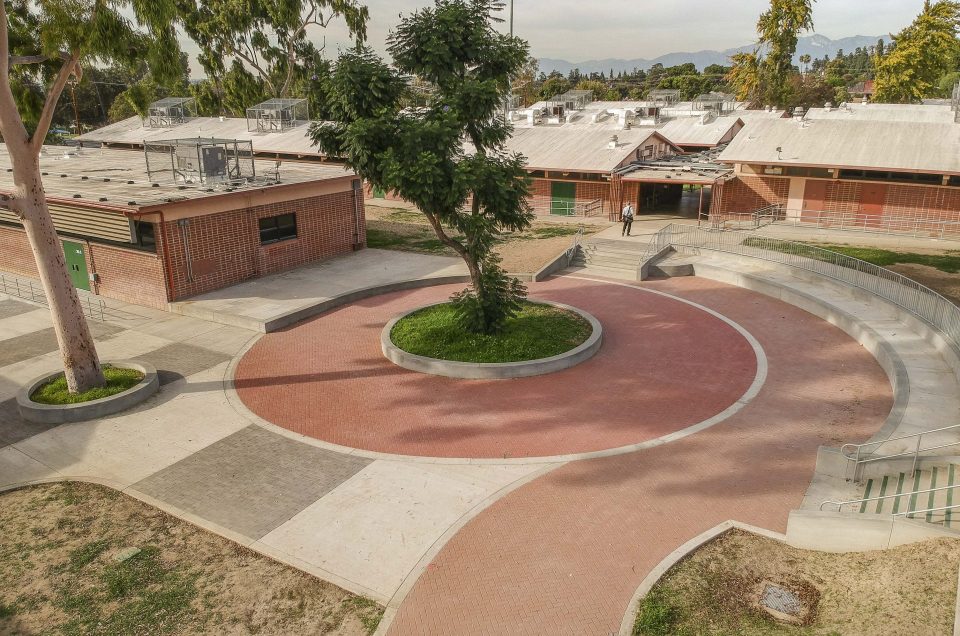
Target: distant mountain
814 45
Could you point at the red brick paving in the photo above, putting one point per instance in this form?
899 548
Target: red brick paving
664 366
565 553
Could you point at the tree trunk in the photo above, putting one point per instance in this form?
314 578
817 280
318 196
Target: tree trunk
80 362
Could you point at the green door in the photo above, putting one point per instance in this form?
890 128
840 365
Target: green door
563 197
76 265
378 193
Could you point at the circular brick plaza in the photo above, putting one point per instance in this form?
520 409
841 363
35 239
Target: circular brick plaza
665 365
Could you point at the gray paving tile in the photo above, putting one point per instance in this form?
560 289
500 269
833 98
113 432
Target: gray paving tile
37 343
13 428
251 481
11 308
178 360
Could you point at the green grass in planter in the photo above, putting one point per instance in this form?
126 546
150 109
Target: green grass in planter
538 331
56 392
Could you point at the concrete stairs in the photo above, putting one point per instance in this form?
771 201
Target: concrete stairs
907 490
609 258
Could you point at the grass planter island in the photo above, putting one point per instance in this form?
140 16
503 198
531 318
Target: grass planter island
543 338
45 400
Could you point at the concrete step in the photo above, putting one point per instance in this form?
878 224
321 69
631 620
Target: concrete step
634 250
605 272
908 489
611 261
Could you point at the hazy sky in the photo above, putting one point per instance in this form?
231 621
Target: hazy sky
578 30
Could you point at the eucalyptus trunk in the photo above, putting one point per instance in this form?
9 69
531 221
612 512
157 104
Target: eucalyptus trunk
80 362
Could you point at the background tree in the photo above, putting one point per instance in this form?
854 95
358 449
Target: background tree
266 39
912 66
48 41
779 28
744 77
555 84
420 153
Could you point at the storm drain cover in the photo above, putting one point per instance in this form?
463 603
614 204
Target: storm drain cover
781 600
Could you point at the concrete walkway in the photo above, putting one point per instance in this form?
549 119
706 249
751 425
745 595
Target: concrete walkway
273 302
362 524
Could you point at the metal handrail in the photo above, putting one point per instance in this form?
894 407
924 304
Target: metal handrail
851 220
840 504
575 245
25 289
925 510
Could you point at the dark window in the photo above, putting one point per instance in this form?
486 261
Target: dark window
145 236
278 228
954 181
899 177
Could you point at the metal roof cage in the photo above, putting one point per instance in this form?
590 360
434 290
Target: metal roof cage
576 100
664 96
717 102
201 161
277 115
170 111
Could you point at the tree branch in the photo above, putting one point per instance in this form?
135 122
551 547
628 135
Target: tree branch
11 124
456 246
20 60
53 96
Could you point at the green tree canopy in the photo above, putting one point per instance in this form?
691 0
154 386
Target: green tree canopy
912 67
468 192
268 39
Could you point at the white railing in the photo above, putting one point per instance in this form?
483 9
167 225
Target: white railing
896 224
862 454
565 207
910 497
28 290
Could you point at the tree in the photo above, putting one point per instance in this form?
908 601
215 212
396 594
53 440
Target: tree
477 191
554 85
805 60
779 28
268 38
50 41
920 55
744 76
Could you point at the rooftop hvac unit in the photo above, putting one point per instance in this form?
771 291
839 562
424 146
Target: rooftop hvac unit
170 111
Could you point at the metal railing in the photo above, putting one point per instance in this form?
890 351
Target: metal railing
897 224
861 458
575 243
908 294
566 207
910 495
33 292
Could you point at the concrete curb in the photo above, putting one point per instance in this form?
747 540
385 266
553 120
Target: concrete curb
678 555
66 413
493 371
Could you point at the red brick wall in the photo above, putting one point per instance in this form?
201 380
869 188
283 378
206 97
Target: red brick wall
747 194
587 191
225 248
125 274
129 275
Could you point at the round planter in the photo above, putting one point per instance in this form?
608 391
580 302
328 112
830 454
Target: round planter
493 370
63 413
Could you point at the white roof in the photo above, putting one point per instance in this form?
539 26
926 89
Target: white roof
132 131
689 131
573 148
882 145
920 113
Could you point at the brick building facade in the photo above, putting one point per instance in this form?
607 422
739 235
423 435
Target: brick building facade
172 248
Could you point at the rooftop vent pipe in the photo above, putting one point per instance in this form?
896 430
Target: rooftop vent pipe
613 143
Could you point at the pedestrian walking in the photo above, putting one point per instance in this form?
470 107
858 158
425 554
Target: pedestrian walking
627 217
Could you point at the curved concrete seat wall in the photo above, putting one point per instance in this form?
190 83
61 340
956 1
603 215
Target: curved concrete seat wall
923 368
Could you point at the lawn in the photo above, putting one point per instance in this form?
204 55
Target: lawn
83 559
56 391
904 591
948 262
538 331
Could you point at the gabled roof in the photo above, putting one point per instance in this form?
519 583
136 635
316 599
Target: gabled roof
580 149
870 145
689 131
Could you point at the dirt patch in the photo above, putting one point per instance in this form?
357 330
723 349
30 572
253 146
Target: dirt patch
402 228
904 591
946 284
83 559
